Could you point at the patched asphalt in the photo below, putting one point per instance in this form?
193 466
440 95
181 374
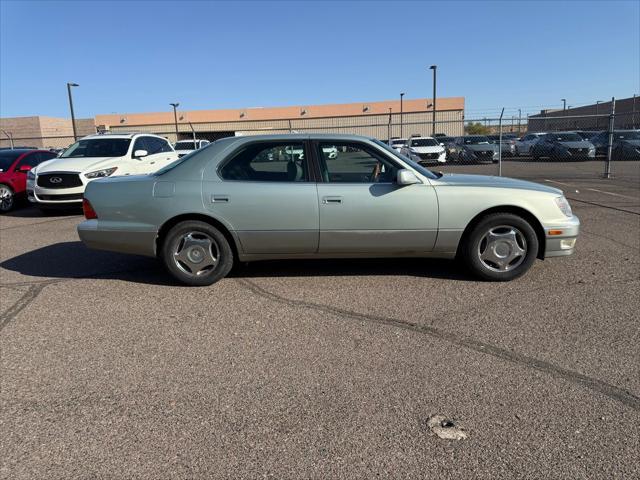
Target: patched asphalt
325 368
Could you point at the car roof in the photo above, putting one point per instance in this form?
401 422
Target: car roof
301 136
420 138
22 150
120 135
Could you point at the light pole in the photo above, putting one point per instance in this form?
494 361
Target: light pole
519 119
73 116
598 102
401 120
389 129
433 121
633 112
564 108
175 117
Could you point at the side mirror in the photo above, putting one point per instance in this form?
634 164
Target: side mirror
24 168
407 177
140 153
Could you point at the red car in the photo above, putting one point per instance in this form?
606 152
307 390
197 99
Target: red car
14 165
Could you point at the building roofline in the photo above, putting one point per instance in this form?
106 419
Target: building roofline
281 113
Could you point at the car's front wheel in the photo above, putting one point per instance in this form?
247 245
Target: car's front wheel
7 198
196 253
501 247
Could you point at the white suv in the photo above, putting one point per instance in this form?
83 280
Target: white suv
424 150
60 182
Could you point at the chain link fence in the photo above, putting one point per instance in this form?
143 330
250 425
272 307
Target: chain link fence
551 144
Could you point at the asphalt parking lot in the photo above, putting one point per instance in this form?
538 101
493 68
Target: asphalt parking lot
326 368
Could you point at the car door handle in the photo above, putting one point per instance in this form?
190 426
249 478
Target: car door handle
219 199
331 200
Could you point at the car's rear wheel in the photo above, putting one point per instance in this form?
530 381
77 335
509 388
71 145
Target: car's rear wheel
7 198
501 247
196 253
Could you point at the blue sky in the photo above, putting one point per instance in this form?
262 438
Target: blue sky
139 56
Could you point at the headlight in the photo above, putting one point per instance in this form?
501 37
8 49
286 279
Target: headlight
31 175
105 172
564 206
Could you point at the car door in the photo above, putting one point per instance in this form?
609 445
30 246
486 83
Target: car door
266 192
159 154
363 209
25 164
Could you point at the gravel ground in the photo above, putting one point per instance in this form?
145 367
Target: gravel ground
325 368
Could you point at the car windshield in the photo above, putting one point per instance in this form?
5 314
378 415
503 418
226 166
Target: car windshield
446 139
630 135
565 137
189 145
424 142
419 168
7 157
398 142
98 147
477 140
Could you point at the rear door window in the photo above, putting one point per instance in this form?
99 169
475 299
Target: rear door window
268 162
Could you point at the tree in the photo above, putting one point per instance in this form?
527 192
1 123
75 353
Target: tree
476 128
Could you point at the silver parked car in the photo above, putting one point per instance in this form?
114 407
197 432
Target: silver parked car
250 198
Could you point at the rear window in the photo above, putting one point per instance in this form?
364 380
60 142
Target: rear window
424 142
564 137
475 140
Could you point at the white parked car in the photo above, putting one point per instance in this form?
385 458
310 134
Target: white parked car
61 182
425 150
524 144
398 143
185 147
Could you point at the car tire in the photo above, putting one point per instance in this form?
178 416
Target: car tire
500 247
7 198
196 253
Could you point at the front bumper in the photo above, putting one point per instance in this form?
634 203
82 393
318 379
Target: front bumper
55 197
560 244
124 240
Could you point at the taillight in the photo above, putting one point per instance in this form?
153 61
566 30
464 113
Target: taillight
87 209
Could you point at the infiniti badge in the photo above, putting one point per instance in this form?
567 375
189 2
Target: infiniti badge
55 180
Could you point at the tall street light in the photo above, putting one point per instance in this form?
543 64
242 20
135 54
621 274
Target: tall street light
433 121
175 117
73 117
564 107
598 102
401 122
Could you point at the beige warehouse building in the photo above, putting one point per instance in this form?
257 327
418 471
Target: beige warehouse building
377 119
381 119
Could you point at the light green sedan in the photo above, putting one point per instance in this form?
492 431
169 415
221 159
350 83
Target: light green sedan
250 198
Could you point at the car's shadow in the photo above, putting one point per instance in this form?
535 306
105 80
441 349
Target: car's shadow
72 260
23 210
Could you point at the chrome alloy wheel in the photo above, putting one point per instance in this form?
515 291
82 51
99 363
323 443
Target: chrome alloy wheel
6 198
196 253
502 248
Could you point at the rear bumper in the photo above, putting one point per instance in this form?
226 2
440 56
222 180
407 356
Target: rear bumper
559 245
117 240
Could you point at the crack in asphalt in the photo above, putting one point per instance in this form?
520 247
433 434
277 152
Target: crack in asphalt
623 396
604 206
23 302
